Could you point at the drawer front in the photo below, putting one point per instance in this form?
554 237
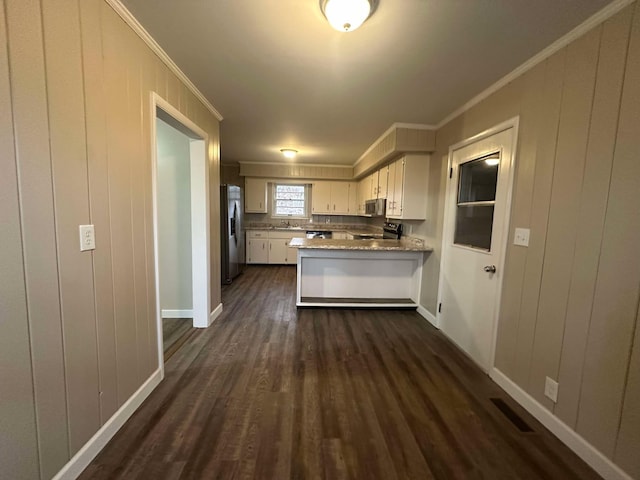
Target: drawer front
285 235
257 234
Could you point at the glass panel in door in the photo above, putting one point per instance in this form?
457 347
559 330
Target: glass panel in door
478 179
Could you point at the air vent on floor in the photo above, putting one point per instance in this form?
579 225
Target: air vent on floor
511 415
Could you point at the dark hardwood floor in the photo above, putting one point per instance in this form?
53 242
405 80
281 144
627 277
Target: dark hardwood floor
270 392
175 332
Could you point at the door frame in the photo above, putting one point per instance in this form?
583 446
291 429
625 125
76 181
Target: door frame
200 216
512 123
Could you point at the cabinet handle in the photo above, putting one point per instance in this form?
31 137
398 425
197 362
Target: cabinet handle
334 207
328 207
263 246
269 246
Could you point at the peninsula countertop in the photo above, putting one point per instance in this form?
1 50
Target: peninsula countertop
405 245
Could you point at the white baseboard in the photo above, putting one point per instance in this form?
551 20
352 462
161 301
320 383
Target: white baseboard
428 315
587 452
215 314
92 448
177 313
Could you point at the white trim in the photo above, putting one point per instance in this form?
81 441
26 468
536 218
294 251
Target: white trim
215 314
130 20
177 313
587 452
202 269
92 448
430 317
591 22
415 126
512 123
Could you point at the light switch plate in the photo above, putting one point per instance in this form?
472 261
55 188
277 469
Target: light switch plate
551 389
87 238
521 237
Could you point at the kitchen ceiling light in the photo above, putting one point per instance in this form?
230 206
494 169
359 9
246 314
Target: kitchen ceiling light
492 162
289 152
347 15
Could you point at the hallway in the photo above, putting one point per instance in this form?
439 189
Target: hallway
272 392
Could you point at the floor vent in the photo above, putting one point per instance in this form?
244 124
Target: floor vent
511 415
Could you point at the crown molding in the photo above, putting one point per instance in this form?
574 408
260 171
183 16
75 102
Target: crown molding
591 22
414 126
130 20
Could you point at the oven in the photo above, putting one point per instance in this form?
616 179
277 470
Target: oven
392 231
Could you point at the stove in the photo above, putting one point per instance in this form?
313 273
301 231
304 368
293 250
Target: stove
392 231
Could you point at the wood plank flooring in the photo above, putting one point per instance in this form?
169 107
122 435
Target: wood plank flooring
175 331
271 392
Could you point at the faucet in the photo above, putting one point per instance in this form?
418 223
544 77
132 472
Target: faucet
285 223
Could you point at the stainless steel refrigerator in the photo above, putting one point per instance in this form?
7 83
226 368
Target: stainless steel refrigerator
232 244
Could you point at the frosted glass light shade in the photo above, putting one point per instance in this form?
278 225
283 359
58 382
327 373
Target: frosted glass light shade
347 15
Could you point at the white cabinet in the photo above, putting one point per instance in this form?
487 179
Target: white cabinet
339 235
320 198
383 182
334 198
255 195
278 249
407 188
272 247
257 246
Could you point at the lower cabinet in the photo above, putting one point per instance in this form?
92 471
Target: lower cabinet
271 247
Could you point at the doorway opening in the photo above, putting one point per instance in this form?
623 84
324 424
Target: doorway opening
181 200
474 242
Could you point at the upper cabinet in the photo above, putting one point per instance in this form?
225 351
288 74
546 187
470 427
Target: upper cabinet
383 182
408 180
333 198
255 195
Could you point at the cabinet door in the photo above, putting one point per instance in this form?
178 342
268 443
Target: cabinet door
391 176
339 235
321 197
278 251
362 195
257 250
374 186
292 255
398 183
339 198
255 195
353 198
383 182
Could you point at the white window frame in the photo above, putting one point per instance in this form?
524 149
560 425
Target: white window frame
307 199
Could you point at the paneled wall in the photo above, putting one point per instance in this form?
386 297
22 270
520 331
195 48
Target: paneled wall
570 300
78 329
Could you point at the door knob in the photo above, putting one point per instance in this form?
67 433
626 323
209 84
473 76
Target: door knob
490 268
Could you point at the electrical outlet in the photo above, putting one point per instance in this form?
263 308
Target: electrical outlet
521 237
551 389
87 238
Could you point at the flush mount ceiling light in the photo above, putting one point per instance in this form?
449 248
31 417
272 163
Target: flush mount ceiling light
347 15
289 152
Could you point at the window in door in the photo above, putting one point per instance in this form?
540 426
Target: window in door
289 200
477 183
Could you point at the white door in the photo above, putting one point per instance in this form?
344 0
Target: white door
475 235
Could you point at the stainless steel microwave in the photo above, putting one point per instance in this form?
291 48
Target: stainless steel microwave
375 208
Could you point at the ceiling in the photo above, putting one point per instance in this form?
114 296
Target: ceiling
282 77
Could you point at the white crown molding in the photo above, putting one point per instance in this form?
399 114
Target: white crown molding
130 20
415 126
591 22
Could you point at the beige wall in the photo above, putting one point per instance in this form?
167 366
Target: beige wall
174 218
78 330
570 300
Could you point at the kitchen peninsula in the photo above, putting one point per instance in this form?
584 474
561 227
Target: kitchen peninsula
358 273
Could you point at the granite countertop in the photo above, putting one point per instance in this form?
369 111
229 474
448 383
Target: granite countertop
354 230
407 245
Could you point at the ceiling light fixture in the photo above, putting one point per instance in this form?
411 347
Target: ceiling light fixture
347 15
492 162
289 152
